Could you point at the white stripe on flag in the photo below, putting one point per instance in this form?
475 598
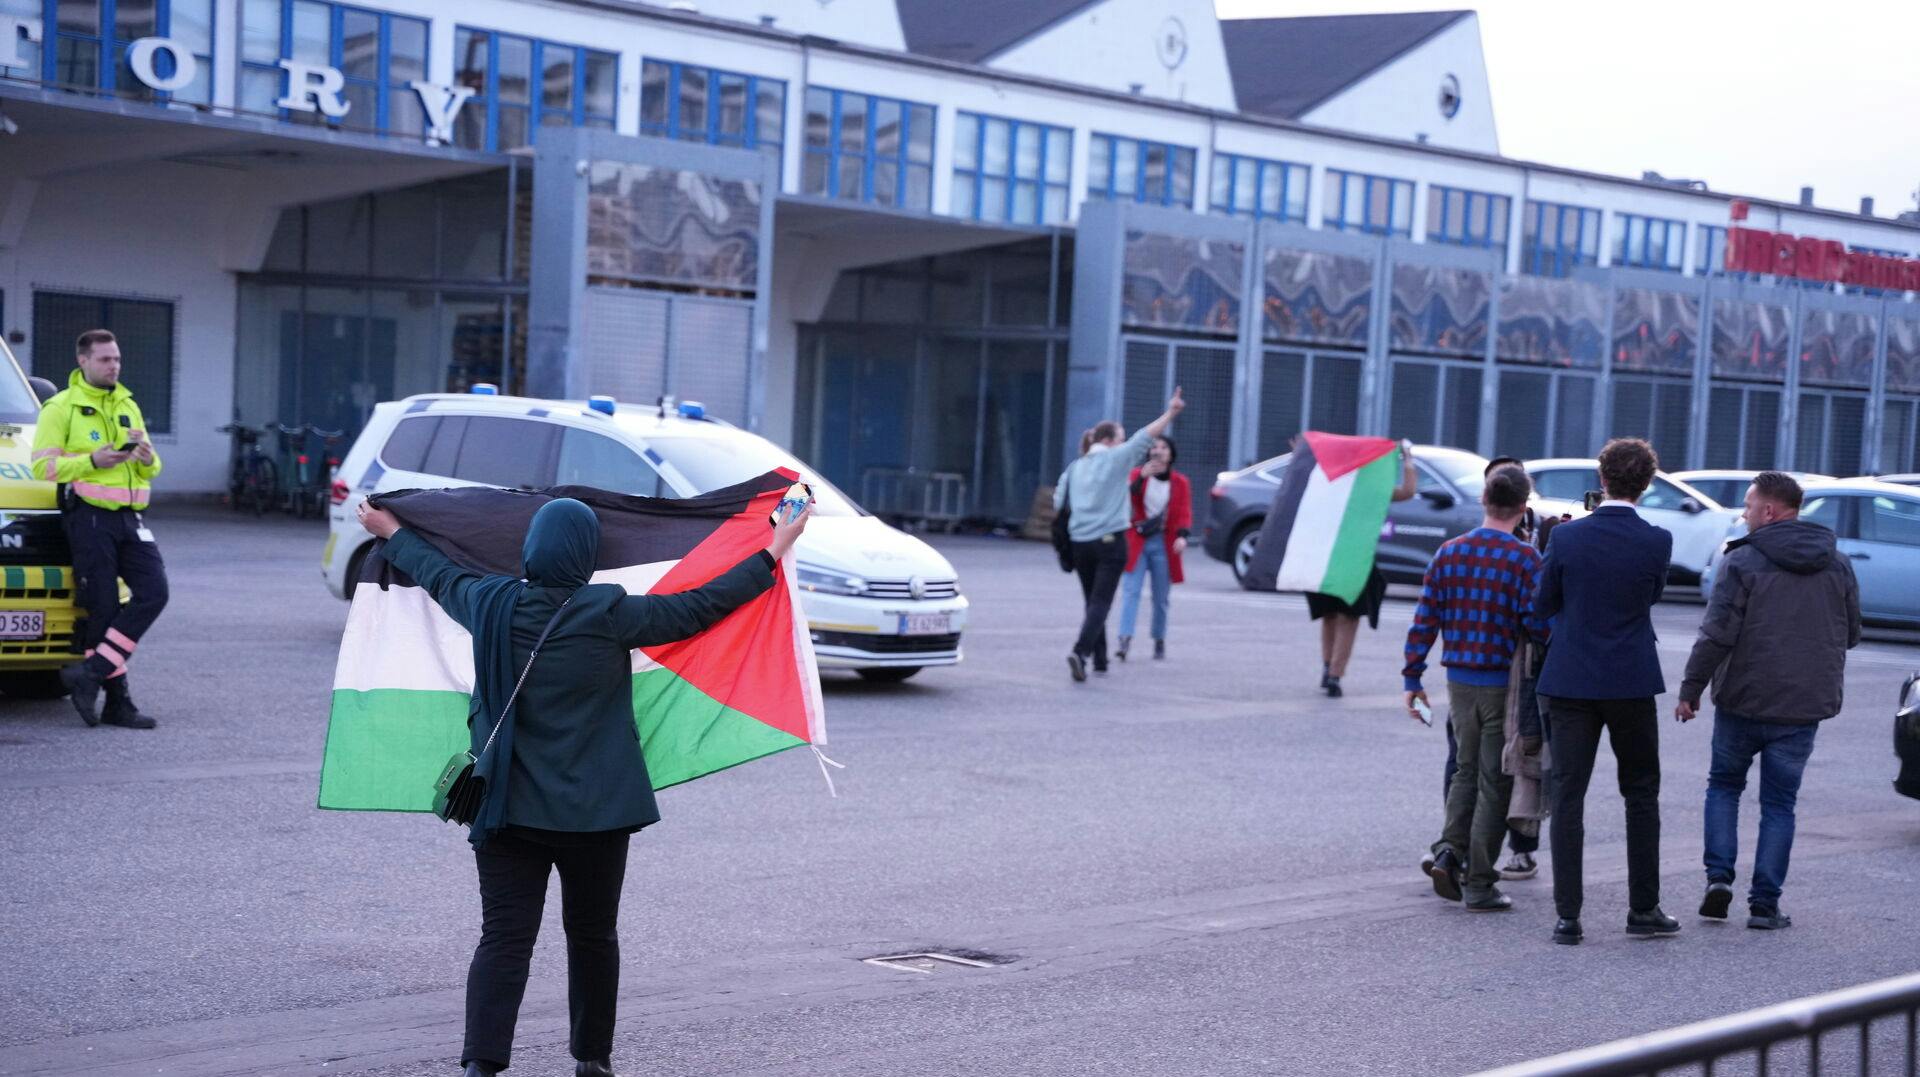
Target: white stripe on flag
401 638
1316 524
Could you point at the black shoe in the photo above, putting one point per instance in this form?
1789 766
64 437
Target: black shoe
1125 642
1566 931
477 1068
594 1067
1491 901
1078 666
83 691
1446 875
1652 924
120 710
1333 688
1159 649
1714 905
1326 674
1767 918
1099 670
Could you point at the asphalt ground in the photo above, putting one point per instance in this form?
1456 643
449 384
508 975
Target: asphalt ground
1197 866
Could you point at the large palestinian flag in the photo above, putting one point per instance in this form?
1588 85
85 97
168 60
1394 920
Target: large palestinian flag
745 688
1324 527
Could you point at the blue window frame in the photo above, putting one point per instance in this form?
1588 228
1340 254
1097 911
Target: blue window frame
1258 188
1137 170
85 45
1710 260
1555 237
1467 218
1376 205
379 54
706 104
1010 170
522 83
866 148
1649 242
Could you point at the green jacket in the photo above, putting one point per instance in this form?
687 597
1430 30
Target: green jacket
80 419
576 760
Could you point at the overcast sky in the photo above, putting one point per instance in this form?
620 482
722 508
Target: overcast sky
1754 98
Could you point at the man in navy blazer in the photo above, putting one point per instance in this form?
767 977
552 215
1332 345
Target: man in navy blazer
1599 582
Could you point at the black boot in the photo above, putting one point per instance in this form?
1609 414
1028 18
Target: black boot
1159 648
83 691
477 1068
120 710
593 1067
1125 642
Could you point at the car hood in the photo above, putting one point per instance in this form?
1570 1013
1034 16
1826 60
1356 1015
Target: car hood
864 546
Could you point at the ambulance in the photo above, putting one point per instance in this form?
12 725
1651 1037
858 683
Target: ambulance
39 621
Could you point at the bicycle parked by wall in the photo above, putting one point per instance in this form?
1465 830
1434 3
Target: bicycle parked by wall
309 491
252 479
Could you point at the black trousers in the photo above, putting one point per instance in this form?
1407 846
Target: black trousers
514 865
1633 728
1099 564
107 548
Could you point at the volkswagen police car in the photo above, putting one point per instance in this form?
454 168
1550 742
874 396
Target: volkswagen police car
879 601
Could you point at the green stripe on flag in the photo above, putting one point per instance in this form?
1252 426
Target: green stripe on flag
1358 538
16 579
386 747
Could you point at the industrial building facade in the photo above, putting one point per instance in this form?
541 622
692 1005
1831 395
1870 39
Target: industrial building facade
924 245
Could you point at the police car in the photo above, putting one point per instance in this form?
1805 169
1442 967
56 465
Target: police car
879 602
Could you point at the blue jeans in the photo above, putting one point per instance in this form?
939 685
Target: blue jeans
1783 750
1153 560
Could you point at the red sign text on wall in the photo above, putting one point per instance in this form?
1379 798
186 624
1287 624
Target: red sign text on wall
1752 250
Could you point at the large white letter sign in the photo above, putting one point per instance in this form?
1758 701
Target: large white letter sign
442 105
140 59
311 88
14 29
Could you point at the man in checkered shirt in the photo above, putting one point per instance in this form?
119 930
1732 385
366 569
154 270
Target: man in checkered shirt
1478 595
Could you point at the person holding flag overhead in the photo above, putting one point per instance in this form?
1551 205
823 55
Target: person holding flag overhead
569 784
1323 531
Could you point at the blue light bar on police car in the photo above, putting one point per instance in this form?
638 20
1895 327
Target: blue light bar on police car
601 404
484 388
692 409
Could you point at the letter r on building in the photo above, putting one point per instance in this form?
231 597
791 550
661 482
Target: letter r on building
312 88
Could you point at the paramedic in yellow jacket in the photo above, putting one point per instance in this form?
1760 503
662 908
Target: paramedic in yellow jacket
92 440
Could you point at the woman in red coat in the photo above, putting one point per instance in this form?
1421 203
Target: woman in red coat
1162 519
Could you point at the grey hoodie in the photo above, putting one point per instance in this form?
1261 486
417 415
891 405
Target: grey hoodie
1785 609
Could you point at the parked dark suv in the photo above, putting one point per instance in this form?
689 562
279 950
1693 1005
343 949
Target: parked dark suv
1448 504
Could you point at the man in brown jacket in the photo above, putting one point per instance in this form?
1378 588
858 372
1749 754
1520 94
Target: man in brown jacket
1784 612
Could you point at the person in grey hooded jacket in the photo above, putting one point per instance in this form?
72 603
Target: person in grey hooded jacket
1784 612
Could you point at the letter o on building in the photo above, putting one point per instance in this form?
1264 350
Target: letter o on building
140 59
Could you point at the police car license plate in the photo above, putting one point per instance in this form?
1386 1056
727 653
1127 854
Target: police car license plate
23 624
926 624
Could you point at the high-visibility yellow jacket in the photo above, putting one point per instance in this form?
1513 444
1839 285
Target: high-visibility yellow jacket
80 419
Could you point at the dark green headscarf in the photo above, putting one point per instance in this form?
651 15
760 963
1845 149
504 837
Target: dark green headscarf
562 544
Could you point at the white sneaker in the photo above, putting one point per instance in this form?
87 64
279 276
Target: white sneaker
1519 866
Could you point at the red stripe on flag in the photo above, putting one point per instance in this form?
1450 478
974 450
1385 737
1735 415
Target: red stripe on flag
747 661
1338 454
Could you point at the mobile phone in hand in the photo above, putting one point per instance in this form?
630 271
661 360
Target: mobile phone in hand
793 503
1423 711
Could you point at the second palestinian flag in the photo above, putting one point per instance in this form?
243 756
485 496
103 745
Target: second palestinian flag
745 688
1324 527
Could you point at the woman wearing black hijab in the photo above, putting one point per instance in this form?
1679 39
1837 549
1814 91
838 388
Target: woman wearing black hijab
567 785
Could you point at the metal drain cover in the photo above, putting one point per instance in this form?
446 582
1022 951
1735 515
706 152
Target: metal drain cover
928 962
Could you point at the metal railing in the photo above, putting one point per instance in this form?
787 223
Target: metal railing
929 497
1800 1036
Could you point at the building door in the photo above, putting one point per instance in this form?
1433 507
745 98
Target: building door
1014 429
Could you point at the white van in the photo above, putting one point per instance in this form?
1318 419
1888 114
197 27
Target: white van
879 601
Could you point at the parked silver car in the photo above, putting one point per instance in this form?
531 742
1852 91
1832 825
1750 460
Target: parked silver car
1878 526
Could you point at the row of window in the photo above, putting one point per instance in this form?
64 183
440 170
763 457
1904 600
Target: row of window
859 147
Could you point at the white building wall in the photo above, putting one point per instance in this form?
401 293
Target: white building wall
153 236
858 22
1170 48
1402 99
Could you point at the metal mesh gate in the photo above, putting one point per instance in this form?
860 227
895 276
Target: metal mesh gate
641 345
1203 433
